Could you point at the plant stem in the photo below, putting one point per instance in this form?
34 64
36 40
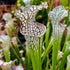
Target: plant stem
39 55
29 62
46 51
7 55
51 5
55 53
47 36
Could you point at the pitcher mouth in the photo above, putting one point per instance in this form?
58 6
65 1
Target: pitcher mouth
35 29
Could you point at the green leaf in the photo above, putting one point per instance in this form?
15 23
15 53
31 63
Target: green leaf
66 53
64 2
